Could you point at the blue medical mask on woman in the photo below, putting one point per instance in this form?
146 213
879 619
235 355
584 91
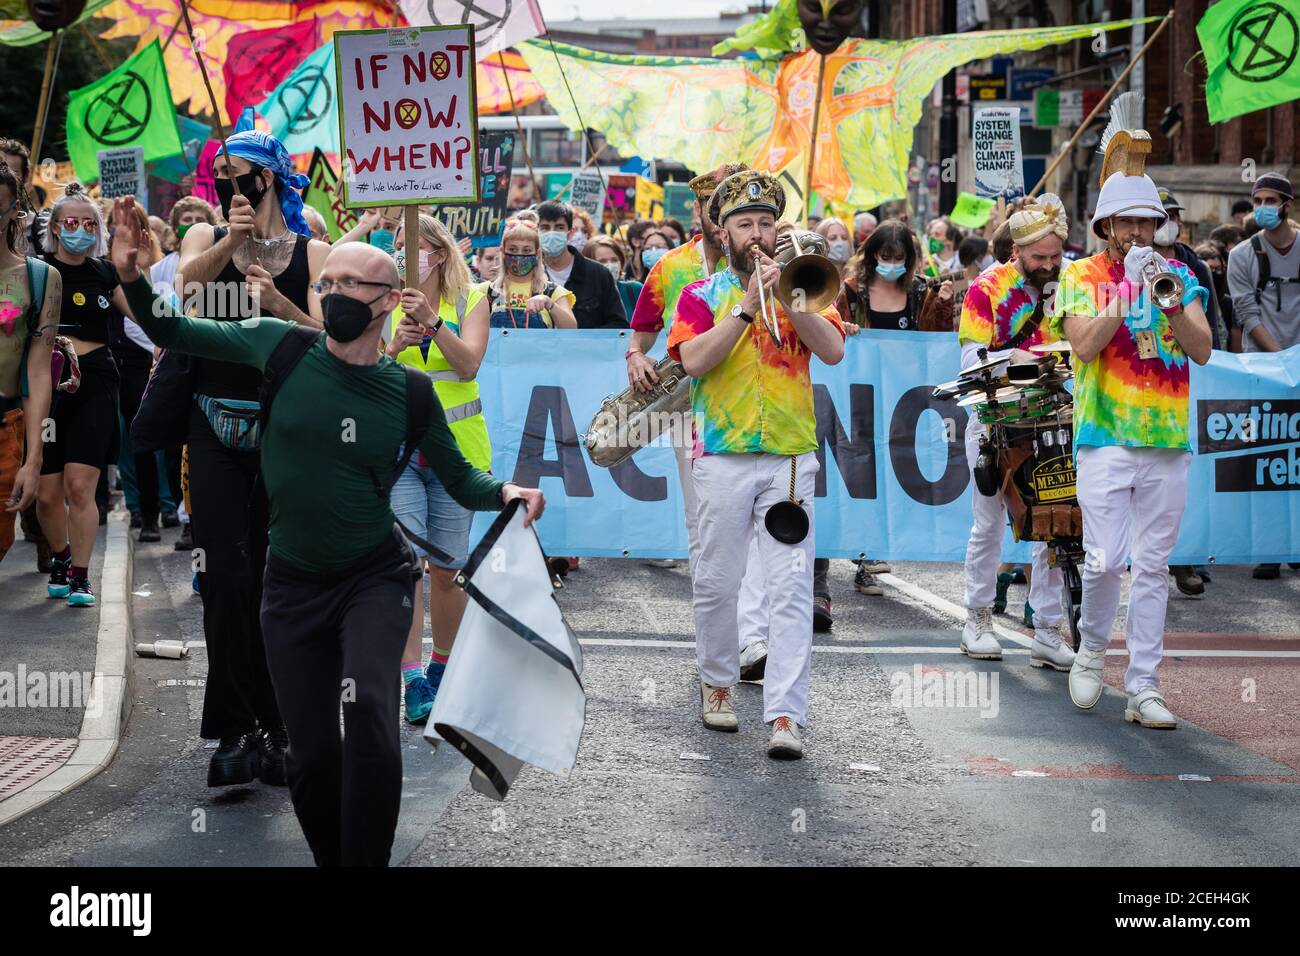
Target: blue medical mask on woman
553 243
78 241
890 271
650 256
1268 217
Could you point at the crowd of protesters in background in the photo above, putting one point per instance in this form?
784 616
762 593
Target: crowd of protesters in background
554 268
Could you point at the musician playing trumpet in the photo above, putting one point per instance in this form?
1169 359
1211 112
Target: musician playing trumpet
756 440
1130 422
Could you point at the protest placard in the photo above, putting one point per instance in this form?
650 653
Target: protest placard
484 223
588 193
679 201
408 123
971 212
649 199
620 197
999 169
121 173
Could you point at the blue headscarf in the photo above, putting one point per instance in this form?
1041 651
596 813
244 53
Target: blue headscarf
268 152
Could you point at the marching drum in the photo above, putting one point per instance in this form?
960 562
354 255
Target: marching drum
1027 454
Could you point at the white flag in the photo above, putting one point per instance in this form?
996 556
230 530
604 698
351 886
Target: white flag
498 24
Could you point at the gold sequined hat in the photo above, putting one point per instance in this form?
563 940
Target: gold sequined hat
1039 218
704 184
749 189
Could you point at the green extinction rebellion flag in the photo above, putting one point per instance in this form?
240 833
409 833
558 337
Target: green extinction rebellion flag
1250 55
322 195
131 106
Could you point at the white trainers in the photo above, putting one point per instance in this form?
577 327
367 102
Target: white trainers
977 639
719 711
753 661
1148 708
1086 683
785 742
1050 649
661 562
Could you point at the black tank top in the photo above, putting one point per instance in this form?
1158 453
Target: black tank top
232 379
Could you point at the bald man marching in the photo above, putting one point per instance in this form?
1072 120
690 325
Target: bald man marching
336 605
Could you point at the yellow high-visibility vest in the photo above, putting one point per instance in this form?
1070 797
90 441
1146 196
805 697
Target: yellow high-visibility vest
459 398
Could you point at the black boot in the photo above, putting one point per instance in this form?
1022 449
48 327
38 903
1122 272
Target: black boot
186 541
170 519
271 745
235 762
149 529
1187 580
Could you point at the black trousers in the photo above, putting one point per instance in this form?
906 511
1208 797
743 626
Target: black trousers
229 525
133 364
336 640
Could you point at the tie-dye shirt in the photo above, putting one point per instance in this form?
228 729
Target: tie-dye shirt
677 269
759 398
997 304
1120 399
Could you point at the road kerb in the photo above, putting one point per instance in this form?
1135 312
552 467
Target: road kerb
109 703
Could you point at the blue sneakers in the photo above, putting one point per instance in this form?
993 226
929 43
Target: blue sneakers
80 593
58 586
419 701
433 673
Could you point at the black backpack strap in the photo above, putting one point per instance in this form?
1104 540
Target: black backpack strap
419 411
1264 268
283 359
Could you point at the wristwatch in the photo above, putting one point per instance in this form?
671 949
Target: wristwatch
433 329
741 314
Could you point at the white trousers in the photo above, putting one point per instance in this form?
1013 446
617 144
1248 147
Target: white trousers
1132 500
752 608
984 549
734 494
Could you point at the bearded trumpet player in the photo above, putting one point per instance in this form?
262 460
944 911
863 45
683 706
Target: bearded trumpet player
1133 331
754 465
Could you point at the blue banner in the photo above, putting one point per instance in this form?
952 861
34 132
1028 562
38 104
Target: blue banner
894 481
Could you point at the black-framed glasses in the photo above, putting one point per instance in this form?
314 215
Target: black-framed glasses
326 286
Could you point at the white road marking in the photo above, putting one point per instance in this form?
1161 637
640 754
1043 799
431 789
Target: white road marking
947 607
918 650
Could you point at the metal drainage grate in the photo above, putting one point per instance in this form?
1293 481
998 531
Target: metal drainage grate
25 760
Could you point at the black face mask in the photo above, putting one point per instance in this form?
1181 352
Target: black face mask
250 184
345 318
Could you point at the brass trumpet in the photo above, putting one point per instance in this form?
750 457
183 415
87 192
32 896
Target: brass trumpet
809 281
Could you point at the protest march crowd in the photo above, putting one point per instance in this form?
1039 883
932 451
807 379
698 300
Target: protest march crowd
176 330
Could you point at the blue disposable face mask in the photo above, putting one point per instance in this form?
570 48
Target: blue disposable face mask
890 271
1268 217
78 241
382 239
650 256
553 243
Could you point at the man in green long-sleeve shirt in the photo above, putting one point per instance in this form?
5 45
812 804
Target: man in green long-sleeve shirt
336 602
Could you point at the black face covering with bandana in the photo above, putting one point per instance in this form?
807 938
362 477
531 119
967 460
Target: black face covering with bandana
345 318
250 185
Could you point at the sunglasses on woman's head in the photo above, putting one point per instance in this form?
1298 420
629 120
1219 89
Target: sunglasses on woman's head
71 222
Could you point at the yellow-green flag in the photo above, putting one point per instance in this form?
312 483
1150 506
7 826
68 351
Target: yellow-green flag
1250 55
131 106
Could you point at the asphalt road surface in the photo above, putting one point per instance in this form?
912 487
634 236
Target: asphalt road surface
897 771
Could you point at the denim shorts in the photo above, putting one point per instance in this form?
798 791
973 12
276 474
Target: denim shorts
422 504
